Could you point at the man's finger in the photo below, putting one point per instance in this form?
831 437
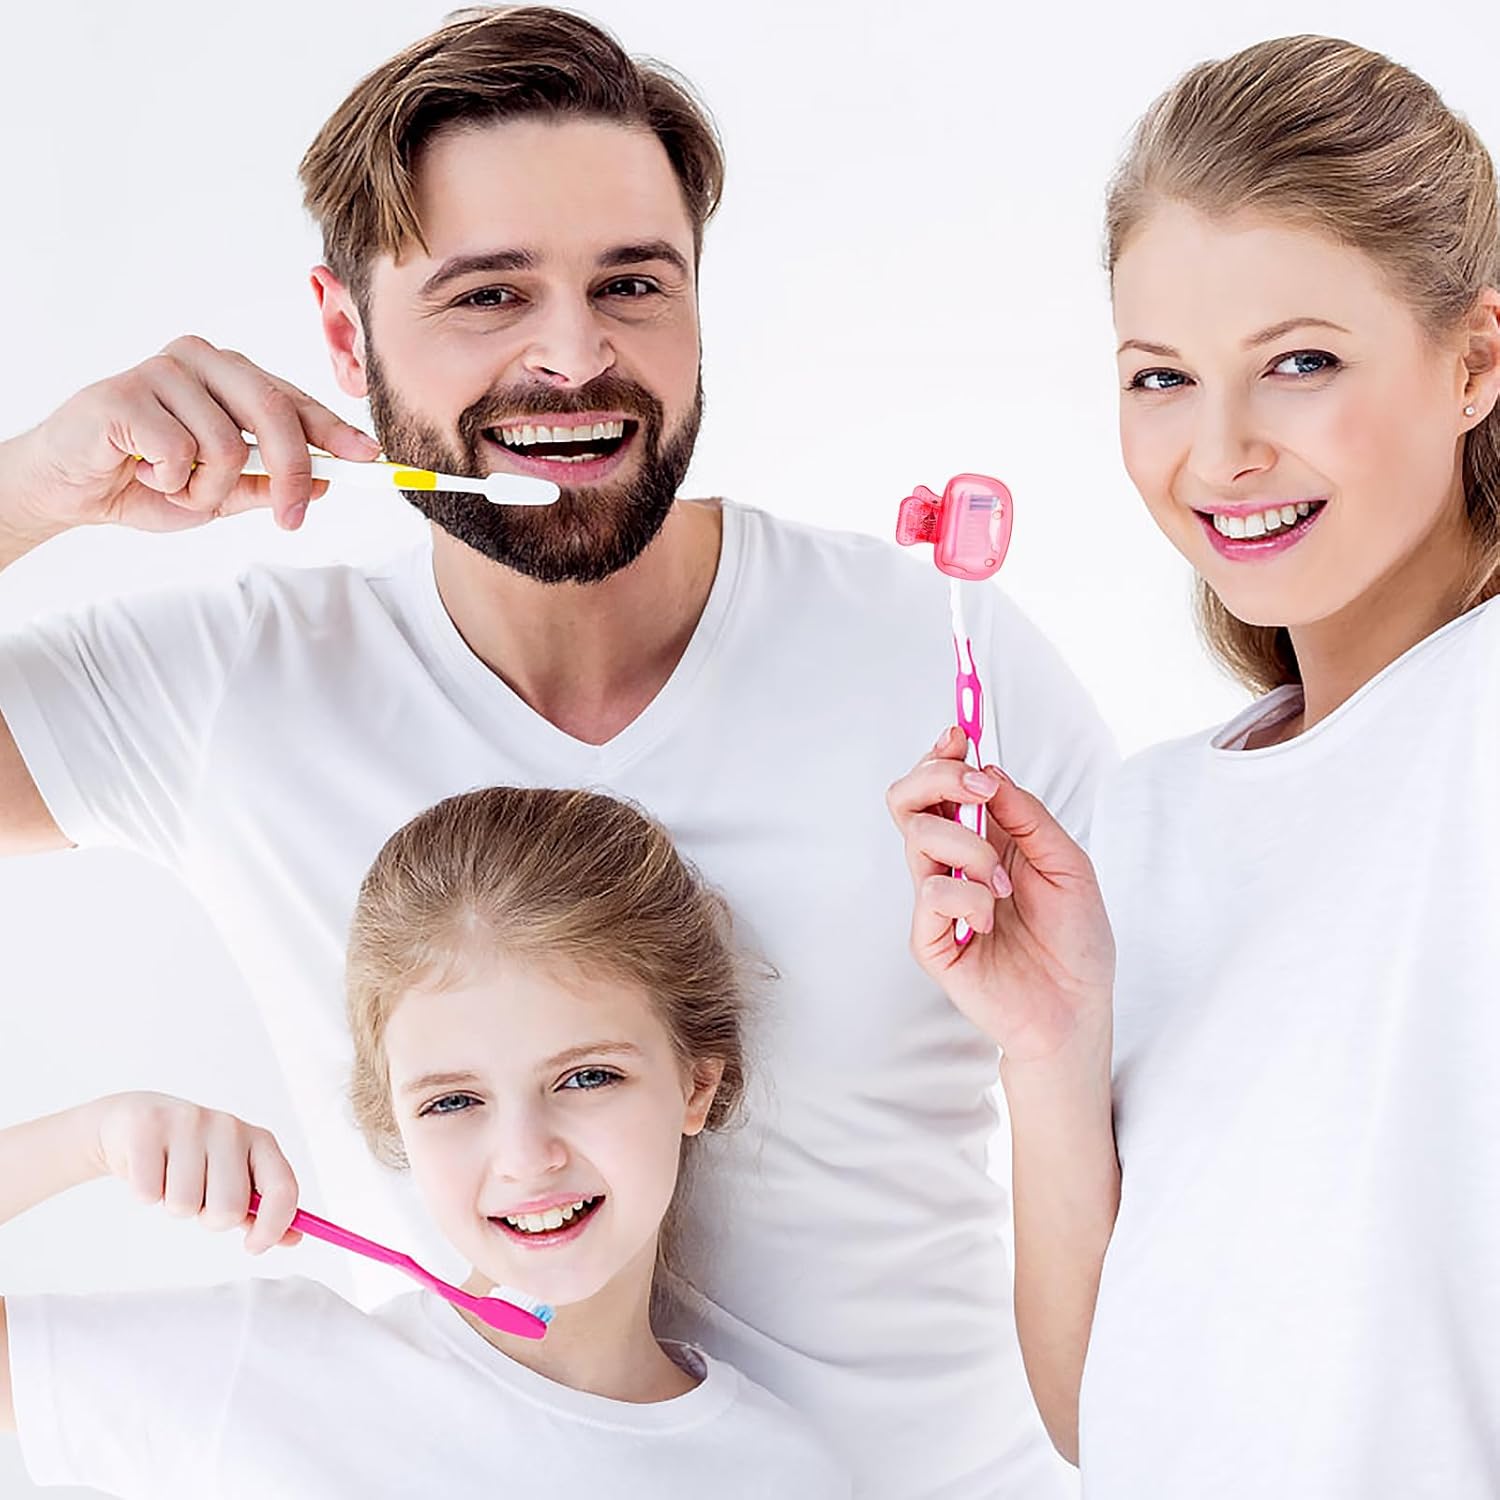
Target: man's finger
329 431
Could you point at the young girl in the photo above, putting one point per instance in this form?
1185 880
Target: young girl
1300 1296
545 1006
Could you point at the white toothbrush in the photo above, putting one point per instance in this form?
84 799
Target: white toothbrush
499 489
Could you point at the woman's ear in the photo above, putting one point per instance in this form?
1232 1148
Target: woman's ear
1482 355
702 1085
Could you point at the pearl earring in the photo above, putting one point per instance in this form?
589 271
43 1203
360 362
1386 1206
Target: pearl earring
1468 411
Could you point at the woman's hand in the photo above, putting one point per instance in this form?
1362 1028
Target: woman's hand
199 1163
1040 964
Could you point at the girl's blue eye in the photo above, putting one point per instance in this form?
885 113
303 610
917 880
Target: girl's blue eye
1307 361
590 1078
449 1104
1157 380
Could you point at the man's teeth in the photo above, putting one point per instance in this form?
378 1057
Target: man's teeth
525 435
549 1218
1262 521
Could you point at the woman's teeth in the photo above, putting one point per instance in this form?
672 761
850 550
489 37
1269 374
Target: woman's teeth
1262 521
549 1218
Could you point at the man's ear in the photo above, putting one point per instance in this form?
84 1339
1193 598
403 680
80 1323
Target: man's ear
343 332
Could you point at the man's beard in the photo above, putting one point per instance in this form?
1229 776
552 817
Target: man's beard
585 535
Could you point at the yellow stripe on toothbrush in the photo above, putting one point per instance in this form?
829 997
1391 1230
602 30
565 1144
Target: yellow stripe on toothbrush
414 479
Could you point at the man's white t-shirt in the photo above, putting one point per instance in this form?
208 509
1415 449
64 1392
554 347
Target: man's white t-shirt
1302 1295
282 1389
264 740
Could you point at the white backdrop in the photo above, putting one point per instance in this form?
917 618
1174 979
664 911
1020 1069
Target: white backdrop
904 282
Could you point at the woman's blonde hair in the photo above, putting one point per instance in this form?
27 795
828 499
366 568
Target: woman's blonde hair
1328 136
556 878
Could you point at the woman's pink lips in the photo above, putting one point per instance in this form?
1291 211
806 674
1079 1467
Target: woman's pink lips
549 1238
1257 548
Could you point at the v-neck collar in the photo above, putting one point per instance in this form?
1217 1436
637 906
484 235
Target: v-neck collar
492 702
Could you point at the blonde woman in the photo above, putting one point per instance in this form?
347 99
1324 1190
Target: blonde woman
1294 1172
546 1010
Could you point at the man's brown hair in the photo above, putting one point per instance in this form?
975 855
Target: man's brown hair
487 66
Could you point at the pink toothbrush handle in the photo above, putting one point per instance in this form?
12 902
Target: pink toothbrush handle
969 698
494 1310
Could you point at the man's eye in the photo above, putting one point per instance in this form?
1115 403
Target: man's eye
1157 380
1306 362
590 1078
488 296
630 286
449 1104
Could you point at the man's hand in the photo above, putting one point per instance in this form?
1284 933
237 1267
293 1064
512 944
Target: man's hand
159 448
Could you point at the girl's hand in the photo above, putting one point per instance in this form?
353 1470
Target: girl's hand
1040 965
200 1163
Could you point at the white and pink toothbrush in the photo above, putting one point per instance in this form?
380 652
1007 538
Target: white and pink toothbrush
969 526
506 1309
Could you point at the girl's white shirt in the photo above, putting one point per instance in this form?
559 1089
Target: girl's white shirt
1301 1296
280 1387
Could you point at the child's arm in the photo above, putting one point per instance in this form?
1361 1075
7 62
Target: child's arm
201 1163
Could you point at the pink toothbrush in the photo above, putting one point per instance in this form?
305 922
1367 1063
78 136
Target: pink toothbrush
508 1310
969 526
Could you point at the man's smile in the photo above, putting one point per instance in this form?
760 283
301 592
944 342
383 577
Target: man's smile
566 447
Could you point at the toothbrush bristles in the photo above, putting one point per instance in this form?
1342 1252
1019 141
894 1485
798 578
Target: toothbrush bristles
539 1310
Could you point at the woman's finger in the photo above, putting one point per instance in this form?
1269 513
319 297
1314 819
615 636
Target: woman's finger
935 844
943 900
1039 838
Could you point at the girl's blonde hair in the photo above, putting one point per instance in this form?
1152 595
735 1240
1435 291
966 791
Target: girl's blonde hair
555 878
1326 135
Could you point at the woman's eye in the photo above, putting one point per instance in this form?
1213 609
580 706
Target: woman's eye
1157 380
1306 362
630 286
590 1078
449 1104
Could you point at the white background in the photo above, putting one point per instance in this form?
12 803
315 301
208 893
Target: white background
904 282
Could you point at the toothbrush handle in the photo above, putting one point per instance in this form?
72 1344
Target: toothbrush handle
345 1239
969 701
325 466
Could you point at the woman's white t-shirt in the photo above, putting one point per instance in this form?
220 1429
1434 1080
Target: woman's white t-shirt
280 1388
1302 1294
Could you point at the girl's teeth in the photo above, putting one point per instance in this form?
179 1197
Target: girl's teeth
549 1218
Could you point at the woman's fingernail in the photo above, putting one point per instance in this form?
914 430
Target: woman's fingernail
1000 882
981 783
942 739
999 775
295 516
